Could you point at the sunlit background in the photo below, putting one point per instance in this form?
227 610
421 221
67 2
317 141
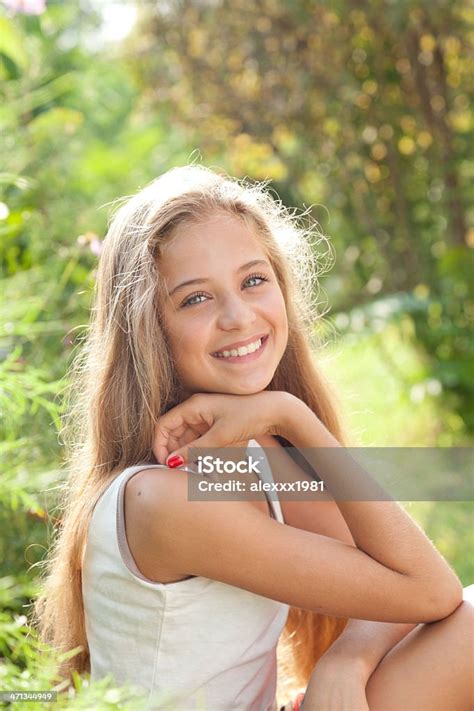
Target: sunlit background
358 112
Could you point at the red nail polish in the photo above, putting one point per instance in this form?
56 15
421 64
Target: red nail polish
175 461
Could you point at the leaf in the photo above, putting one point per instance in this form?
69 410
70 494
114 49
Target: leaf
12 43
20 181
42 96
55 121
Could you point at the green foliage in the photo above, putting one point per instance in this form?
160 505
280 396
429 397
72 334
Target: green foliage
449 524
361 107
72 142
29 666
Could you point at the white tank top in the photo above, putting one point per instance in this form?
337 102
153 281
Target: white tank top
193 644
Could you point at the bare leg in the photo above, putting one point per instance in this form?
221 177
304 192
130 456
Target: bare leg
431 669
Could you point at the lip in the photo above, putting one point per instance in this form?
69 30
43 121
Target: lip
244 359
239 344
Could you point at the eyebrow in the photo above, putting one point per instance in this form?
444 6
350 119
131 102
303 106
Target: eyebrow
202 280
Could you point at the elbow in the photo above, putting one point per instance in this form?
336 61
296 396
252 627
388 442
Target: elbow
434 596
443 603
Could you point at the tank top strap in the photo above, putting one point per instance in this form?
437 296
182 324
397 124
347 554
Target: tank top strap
265 474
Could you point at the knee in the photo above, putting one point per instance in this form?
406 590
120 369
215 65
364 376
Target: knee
461 621
466 610
468 595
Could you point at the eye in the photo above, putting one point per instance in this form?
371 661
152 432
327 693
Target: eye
189 301
261 277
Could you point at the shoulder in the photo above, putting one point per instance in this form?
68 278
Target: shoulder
151 498
152 483
167 531
154 498
160 499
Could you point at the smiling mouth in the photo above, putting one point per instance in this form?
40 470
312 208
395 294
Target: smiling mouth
244 353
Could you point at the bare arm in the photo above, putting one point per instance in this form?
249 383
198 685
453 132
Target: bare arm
362 644
382 529
343 671
394 574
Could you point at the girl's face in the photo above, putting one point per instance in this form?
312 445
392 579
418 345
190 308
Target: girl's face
224 314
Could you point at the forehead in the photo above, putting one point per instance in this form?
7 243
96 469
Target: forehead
220 243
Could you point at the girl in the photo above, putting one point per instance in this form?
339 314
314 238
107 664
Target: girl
198 339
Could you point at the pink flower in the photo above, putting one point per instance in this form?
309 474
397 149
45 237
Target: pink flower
96 247
26 7
91 240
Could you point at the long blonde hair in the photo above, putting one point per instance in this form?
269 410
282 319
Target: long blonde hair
123 377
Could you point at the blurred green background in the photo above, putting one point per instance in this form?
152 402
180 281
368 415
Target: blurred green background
358 110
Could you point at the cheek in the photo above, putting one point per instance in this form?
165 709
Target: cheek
186 339
276 310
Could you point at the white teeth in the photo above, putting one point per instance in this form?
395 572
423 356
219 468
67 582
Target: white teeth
242 351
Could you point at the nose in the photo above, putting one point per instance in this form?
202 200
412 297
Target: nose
235 314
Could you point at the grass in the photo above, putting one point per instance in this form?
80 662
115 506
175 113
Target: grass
384 392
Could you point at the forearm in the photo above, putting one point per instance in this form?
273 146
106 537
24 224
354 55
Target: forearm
365 643
344 670
380 528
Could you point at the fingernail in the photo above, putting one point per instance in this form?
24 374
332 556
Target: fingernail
175 461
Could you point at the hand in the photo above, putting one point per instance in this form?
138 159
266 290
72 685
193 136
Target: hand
218 420
336 687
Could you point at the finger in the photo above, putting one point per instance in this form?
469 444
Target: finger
190 411
164 444
177 420
180 426
167 439
161 445
164 430
212 438
188 436
161 453
160 442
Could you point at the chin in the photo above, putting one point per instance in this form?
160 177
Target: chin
233 385
248 389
